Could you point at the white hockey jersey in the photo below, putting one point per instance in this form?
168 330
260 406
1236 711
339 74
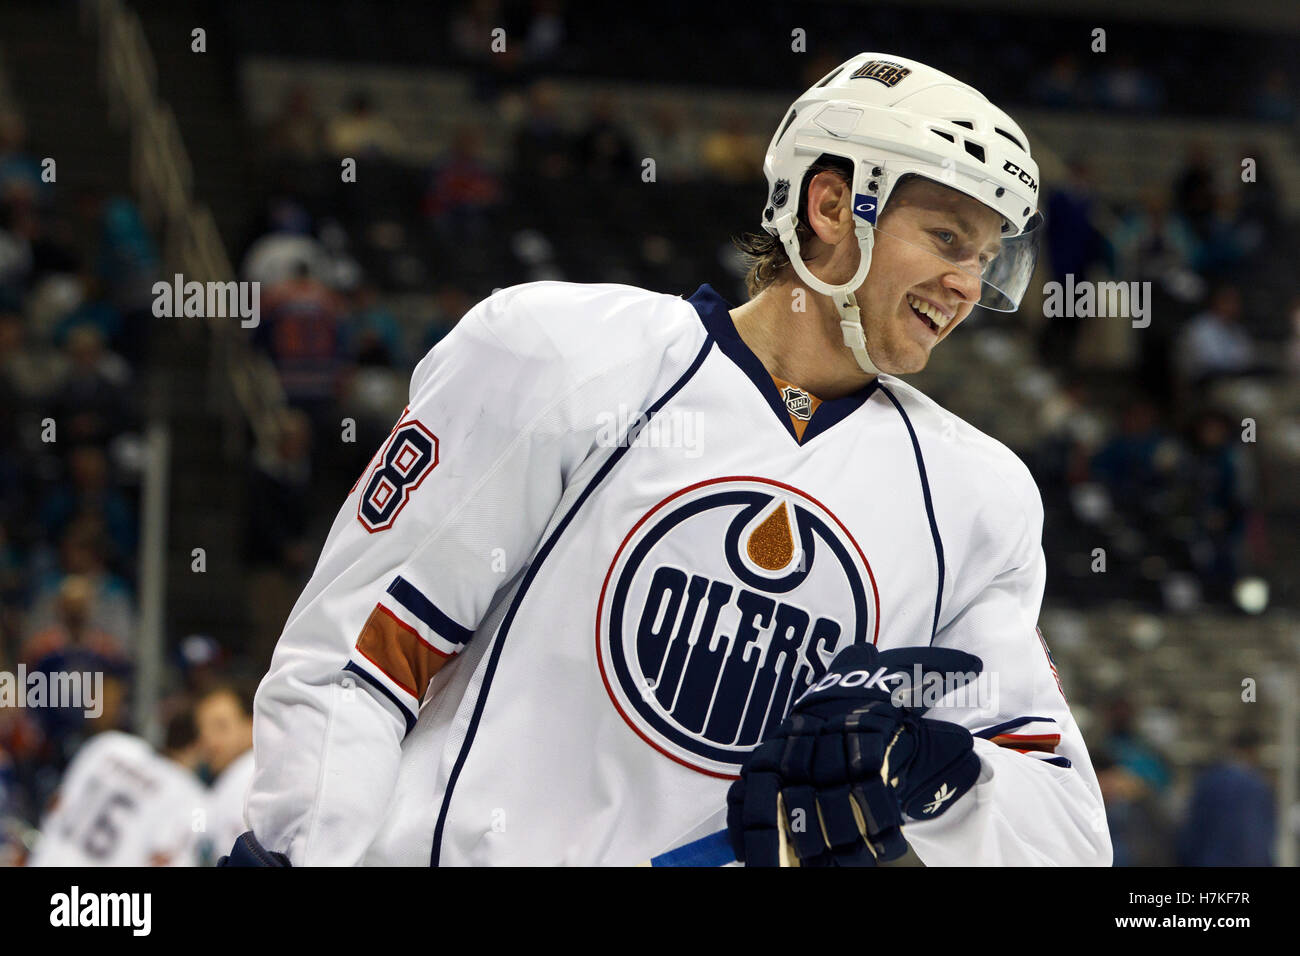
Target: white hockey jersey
122 804
632 548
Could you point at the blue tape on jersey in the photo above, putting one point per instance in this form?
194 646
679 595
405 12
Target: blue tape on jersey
712 850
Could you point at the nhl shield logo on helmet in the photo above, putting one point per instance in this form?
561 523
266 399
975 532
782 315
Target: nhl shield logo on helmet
780 193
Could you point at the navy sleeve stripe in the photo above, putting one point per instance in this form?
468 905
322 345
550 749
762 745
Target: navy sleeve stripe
379 686
1002 728
414 601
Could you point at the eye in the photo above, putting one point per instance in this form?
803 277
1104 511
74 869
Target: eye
946 236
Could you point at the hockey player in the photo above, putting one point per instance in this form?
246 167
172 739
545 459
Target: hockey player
224 715
123 804
619 540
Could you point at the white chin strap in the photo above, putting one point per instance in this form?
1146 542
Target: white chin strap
841 295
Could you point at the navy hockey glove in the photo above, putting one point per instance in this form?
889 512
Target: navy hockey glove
832 784
248 852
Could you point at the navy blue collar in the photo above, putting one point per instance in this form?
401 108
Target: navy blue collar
715 313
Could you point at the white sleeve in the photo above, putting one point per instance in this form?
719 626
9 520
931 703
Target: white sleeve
452 507
1036 801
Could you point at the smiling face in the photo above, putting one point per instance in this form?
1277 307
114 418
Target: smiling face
930 246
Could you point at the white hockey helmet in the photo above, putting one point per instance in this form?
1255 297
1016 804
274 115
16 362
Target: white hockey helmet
892 117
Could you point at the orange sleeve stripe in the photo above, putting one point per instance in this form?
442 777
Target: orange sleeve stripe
416 634
399 653
1046 743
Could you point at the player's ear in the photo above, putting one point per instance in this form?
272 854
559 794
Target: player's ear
830 207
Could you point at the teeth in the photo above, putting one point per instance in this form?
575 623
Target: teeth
929 311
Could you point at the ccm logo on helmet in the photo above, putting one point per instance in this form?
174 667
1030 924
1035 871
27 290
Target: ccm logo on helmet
1023 176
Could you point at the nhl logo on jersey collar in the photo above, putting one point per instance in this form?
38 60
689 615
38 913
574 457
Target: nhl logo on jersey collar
723 603
798 402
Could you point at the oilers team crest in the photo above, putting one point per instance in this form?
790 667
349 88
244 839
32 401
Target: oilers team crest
723 604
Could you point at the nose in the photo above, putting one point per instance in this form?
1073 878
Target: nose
965 284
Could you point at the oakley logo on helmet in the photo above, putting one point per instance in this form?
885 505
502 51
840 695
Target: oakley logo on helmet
883 71
1024 177
866 208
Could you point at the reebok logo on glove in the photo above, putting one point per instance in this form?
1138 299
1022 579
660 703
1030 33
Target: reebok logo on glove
881 680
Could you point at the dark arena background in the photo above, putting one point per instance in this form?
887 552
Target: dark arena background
167 480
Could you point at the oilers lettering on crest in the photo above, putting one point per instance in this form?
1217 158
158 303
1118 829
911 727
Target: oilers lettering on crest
724 603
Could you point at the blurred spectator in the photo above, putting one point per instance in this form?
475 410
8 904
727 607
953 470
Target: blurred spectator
604 148
285 247
300 331
19 170
462 189
1138 462
1274 101
450 304
81 556
94 311
1224 242
127 260
1232 817
542 147
88 492
544 40
1151 242
371 325
91 404
1133 778
1218 495
472 26
72 643
1195 190
24 234
1074 245
360 132
275 538
1124 85
1260 207
1061 86
1214 343
297 132
733 153
667 140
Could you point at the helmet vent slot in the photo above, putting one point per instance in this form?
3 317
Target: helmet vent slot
975 149
1010 137
948 136
789 120
965 123
830 76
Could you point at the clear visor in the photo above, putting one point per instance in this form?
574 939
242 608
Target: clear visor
1002 266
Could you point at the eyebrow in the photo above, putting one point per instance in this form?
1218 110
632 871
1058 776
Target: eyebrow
964 225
